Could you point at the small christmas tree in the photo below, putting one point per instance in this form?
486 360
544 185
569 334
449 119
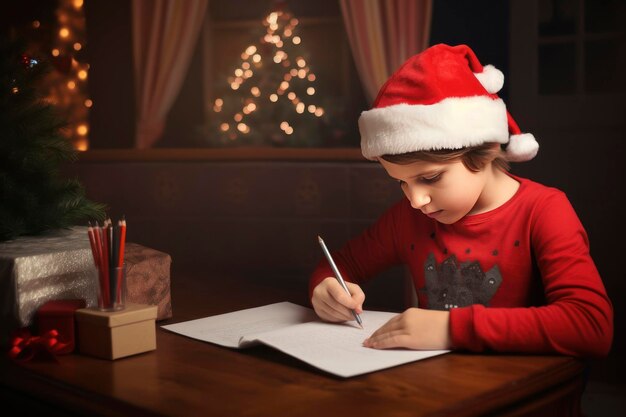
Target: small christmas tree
270 97
33 198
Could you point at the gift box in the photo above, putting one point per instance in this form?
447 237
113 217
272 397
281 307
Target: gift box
58 265
148 278
59 315
117 334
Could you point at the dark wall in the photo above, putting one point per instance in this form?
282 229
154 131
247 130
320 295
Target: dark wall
110 56
16 19
483 25
257 220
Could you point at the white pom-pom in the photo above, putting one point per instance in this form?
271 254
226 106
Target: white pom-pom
491 78
522 147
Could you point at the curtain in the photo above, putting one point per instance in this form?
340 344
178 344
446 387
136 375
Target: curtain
383 34
165 33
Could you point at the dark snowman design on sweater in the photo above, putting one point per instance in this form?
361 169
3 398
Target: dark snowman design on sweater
450 285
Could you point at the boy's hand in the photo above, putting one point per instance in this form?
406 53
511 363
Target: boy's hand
332 303
416 328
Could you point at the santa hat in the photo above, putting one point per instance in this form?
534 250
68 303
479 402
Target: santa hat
442 98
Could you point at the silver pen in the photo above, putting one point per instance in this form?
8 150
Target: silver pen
338 276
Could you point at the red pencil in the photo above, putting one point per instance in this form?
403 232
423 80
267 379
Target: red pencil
120 260
122 224
92 243
105 264
99 244
96 242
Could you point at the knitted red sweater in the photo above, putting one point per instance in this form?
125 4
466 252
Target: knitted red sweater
518 278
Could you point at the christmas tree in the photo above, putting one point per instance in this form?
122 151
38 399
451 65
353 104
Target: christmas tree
33 197
269 98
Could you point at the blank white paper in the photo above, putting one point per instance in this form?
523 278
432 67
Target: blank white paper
228 329
296 331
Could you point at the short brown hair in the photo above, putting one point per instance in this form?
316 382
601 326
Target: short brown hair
473 157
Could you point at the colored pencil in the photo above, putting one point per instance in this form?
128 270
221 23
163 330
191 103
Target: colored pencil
120 259
115 276
106 259
122 223
107 246
99 237
92 243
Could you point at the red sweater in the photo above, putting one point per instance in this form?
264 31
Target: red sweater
518 278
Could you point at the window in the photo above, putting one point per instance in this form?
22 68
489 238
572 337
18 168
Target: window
229 31
579 46
567 61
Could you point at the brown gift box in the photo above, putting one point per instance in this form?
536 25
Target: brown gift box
113 335
148 278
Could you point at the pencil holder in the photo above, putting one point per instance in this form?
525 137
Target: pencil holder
111 288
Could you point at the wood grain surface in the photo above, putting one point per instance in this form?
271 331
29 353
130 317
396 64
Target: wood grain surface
185 377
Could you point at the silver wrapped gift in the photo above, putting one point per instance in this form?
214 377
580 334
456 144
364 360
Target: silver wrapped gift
57 265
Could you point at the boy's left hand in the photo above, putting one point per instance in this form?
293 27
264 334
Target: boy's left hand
416 328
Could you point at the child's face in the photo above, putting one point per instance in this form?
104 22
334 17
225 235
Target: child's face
444 191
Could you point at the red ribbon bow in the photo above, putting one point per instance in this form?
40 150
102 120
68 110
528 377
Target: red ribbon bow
25 346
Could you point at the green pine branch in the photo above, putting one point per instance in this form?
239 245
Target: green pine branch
33 196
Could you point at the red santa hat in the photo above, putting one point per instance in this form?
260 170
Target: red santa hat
442 98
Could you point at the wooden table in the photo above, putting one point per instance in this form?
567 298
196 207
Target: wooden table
184 377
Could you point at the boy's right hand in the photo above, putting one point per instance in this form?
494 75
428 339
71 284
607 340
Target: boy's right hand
332 303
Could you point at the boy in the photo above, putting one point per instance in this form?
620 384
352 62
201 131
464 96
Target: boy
500 263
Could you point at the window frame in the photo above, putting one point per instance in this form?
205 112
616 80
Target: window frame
534 110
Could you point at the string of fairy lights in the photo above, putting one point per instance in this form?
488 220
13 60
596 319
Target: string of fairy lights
280 27
67 86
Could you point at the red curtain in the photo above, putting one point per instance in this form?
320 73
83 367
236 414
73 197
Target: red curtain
383 34
165 33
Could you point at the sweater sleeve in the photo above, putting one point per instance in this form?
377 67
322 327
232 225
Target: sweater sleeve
366 255
577 318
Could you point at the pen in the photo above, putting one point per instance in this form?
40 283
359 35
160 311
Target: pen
338 276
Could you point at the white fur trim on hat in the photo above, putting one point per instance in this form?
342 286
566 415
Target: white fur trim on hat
491 78
452 123
522 147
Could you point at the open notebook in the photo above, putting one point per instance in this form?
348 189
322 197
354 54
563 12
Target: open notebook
296 331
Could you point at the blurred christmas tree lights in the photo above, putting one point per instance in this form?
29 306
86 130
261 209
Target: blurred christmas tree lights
67 86
270 96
